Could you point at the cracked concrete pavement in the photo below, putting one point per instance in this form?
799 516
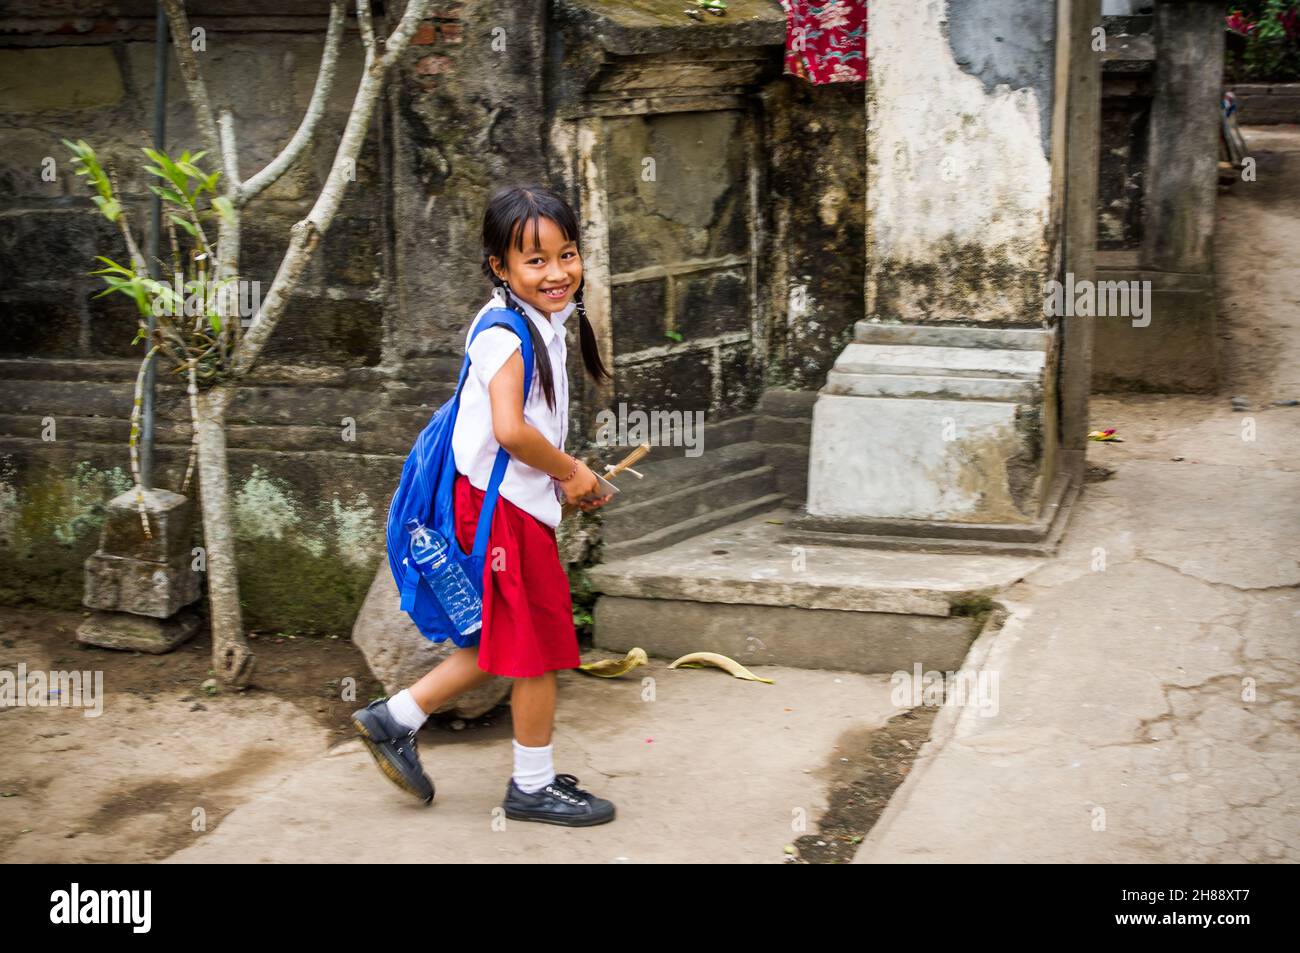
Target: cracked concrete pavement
708 768
1148 676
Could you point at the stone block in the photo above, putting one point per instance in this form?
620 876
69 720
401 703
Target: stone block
680 380
322 332
693 205
920 459
45 327
57 79
171 521
944 424
139 586
639 317
133 633
1176 353
866 642
712 304
739 384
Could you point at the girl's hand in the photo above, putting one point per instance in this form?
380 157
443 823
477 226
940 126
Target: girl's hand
581 484
596 504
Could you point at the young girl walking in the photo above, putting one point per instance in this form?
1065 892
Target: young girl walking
530 254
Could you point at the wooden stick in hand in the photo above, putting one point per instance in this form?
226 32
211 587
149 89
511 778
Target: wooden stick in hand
636 454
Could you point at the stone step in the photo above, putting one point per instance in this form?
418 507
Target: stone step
941 361
1038 537
667 469
781 402
392 432
951 335
706 522
932 387
929 544
742 591
694 499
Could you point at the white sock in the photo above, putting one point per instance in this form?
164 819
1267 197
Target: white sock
406 711
533 767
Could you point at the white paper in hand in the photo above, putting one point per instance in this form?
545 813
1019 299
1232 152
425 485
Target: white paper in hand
606 488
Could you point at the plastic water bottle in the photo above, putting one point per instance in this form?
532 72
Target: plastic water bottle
446 578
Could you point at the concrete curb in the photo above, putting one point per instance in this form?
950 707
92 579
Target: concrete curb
1000 630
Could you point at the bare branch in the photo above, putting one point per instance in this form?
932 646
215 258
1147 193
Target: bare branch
228 229
193 391
315 110
137 259
135 431
306 234
194 85
229 155
367 26
138 262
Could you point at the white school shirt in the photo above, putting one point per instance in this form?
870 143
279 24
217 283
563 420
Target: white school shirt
472 441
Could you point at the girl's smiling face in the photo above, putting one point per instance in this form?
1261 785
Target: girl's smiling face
546 273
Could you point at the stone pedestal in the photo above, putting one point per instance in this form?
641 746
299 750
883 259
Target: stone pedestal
139 584
939 420
934 423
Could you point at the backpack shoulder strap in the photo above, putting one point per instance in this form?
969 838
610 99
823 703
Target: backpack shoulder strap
509 318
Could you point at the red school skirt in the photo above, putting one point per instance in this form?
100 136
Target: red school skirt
527 610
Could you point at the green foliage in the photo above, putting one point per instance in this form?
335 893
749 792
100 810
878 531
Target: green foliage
1263 41
190 202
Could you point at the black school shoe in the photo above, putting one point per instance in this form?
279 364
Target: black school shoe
560 802
393 747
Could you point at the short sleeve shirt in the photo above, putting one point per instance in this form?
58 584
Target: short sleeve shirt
473 442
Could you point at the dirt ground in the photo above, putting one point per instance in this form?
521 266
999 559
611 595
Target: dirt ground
135 784
95 789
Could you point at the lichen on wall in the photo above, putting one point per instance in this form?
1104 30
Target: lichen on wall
302 567
50 519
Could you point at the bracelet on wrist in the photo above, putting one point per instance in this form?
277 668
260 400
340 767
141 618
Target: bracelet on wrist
571 472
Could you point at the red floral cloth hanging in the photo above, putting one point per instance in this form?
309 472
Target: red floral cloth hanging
826 40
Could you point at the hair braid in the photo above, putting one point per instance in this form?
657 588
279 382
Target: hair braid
541 357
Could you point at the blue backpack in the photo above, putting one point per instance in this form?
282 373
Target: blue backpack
425 493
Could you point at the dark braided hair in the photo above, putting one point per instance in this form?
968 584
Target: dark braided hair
509 212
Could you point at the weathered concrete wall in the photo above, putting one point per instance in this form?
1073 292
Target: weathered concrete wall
1127 64
958 197
695 209
927 416
1158 191
716 201
1184 140
467 117
815 245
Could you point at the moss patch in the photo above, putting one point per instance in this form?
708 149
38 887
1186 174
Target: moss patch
50 521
